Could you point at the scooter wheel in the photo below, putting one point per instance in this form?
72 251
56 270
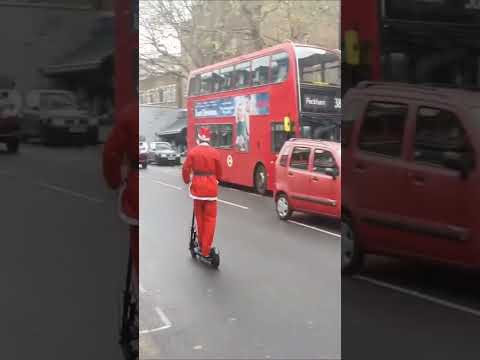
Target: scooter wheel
216 261
192 252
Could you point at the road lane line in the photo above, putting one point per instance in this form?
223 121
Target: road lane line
232 204
70 192
314 228
419 295
219 200
167 323
167 185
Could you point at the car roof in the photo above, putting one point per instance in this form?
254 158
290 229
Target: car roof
330 145
429 92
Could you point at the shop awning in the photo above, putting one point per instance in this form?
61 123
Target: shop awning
89 55
178 125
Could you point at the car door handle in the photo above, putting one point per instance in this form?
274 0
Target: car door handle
290 173
416 178
314 178
360 166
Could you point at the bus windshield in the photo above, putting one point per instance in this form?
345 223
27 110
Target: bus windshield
318 66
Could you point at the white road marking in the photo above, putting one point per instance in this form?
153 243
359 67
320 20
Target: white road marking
198 347
315 228
420 295
142 289
70 192
232 204
180 189
168 185
167 323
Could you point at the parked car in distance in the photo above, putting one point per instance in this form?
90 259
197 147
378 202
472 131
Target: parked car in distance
9 122
143 154
54 116
411 170
307 178
163 153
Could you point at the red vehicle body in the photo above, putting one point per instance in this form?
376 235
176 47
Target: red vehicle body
290 84
432 42
411 174
308 178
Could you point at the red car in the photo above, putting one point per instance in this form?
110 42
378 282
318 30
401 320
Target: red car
411 158
9 124
307 174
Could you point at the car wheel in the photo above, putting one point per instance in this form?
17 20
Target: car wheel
260 180
12 146
283 208
352 254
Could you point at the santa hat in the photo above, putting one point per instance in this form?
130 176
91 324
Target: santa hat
204 134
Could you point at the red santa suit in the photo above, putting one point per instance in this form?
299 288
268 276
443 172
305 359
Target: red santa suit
201 170
121 148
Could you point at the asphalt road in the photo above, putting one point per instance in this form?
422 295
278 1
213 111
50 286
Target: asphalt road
63 257
276 293
403 310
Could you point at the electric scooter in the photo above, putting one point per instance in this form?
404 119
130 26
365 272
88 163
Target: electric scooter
213 259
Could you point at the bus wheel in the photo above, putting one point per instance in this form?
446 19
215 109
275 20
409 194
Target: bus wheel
260 179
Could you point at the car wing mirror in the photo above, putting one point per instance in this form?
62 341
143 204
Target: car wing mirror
331 171
458 162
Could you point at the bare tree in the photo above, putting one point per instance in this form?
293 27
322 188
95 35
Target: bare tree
177 36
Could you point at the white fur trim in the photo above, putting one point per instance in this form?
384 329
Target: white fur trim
200 197
125 218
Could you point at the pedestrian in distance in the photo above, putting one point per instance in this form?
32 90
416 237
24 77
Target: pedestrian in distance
202 171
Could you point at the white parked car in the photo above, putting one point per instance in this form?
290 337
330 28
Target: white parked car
55 116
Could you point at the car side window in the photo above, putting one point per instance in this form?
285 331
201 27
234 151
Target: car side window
383 128
300 158
437 133
323 160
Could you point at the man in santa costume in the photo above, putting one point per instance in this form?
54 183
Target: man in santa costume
202 170
120 169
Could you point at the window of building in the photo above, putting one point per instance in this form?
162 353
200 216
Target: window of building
383 128
160 95
300 157
260 69
242 75
279 67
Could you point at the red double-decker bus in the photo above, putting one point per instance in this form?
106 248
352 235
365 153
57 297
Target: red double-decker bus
415 41
255 102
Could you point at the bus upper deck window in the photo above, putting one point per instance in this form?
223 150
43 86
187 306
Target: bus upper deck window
260 71
194 87
242 75
227 78
206 83
217 81
279 67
